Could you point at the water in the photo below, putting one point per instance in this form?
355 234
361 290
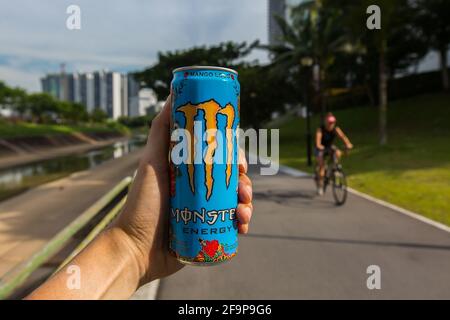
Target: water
21 178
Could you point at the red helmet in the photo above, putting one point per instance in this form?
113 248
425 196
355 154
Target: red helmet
330 119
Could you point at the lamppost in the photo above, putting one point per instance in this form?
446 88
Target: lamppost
307 62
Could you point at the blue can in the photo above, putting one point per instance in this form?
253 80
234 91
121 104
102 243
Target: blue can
204 165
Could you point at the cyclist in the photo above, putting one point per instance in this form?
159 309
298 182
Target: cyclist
325 136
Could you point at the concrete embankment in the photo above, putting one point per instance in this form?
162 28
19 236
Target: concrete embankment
30 220
20 150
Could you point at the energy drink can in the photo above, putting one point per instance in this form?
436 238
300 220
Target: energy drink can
204 165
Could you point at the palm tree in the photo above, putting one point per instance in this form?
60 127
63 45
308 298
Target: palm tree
314 32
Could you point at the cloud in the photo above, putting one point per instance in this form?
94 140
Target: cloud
117 34
16 77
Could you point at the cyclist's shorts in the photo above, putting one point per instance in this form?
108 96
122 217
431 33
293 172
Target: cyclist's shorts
325 152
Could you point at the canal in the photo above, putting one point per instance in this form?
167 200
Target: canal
18 179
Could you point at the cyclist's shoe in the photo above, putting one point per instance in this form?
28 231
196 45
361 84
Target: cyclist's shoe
320 191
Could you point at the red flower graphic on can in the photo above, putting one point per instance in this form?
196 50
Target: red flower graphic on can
212 251
210 247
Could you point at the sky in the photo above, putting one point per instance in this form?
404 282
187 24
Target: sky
116 35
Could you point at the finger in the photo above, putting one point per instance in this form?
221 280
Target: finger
242 228
245 190
243 165
244 212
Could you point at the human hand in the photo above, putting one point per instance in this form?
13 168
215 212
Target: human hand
146 213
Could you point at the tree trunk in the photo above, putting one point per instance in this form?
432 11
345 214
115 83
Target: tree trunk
370 93
382 112
444 71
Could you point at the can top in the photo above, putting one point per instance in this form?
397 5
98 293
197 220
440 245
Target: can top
203 68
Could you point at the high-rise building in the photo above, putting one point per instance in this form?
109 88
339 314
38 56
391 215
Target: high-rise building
51 85
133 86
144 103
115 93
70 85
133 96
276 8
141 101
70 93
124 94
76 88
113 99
63 87
87 91
281 8
100 90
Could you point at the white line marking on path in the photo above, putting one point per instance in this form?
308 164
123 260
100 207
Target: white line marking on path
297 173
400 210
294 172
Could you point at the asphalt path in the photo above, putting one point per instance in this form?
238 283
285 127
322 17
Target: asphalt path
301 246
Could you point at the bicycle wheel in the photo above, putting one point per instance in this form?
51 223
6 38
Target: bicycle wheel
339 184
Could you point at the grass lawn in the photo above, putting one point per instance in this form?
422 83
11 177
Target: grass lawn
412 171
25 129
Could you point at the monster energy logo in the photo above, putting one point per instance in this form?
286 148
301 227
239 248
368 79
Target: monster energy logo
192 136
210 217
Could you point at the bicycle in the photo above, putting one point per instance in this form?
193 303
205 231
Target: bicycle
335 175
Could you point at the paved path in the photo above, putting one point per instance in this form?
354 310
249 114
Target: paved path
29 220
303 247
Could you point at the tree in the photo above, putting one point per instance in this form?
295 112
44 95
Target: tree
432 20
14 98
41 105
396 44
3 92
316 32
262 93
159 76
74 112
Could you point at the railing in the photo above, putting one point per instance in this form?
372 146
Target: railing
12 280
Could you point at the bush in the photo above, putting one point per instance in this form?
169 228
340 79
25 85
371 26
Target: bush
398 88
416 84
98 115
135 122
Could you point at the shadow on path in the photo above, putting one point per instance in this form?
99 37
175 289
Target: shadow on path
352 241
282 196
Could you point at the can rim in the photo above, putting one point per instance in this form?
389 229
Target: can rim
204 67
